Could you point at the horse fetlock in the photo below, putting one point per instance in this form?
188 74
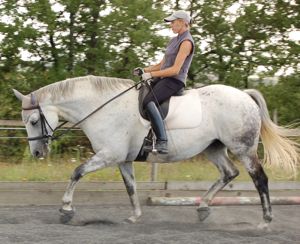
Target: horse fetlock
67 205
138 213
67 199
135 217
268 218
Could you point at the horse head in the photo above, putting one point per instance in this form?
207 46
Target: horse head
40 122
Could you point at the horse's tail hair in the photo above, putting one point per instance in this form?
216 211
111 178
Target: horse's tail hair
279 151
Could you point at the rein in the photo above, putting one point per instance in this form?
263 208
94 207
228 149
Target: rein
46 135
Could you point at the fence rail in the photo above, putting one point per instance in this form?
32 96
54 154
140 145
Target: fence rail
18 123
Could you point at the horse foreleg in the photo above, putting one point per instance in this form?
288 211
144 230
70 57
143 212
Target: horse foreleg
127 172
91 165
217 153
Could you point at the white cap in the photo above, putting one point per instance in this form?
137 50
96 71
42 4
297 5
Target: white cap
180 14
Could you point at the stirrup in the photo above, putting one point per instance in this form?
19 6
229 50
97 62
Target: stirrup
147 145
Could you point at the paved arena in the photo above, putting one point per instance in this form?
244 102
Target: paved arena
104 224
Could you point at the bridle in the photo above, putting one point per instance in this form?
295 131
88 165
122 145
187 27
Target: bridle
46 135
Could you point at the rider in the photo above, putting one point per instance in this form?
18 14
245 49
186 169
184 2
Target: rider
170 74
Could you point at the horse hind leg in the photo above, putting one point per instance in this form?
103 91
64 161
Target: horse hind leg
260 181
217 153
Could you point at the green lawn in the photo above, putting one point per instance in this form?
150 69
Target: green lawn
197 169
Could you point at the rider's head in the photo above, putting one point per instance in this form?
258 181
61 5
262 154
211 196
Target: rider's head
179 21
179 15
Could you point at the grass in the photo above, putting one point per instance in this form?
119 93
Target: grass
60 169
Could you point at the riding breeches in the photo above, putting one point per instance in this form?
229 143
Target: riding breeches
162 89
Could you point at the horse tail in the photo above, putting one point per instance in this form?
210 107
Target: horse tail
279 151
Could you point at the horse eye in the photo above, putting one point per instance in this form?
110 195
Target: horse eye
33 122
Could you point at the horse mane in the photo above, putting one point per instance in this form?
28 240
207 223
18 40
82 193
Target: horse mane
65 88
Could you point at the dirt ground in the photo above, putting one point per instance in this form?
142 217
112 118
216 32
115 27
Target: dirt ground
104 224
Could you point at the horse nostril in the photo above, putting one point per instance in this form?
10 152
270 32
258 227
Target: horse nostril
37 154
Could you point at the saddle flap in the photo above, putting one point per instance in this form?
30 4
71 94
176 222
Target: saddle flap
184 111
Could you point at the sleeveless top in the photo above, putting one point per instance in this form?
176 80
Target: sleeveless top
172 51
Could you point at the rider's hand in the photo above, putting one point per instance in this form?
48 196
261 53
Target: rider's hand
146 76
138 71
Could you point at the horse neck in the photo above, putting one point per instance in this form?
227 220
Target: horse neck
81 104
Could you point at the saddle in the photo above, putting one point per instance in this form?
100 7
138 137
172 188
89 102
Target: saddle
144 89
183 111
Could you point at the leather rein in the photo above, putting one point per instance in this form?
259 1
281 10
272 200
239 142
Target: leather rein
46 134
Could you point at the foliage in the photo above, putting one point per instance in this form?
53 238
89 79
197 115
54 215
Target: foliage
285 98
242 36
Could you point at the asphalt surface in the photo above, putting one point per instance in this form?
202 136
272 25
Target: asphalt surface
104 224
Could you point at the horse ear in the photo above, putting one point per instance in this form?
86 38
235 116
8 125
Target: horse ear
18 94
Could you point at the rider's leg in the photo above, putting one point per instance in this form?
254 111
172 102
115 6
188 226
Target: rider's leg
158 128
160 91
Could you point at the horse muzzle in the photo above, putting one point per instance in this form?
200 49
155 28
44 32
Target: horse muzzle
40 150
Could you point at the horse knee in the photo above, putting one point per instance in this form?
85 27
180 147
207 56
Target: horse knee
78 173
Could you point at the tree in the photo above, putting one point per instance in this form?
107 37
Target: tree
68 38
133 40
240 41
284 97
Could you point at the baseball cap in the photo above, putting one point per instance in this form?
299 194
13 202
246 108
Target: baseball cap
180 14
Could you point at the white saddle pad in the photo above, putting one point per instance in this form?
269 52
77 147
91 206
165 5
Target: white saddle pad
185 112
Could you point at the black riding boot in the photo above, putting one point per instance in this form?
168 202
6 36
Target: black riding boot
158 127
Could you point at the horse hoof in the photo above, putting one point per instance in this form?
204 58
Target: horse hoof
66 215
131 220
264 226
203 213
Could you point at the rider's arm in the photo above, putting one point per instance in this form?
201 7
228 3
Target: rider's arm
184 51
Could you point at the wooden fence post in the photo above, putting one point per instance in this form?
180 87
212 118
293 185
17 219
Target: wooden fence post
154 169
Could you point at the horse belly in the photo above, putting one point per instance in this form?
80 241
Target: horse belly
184 144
